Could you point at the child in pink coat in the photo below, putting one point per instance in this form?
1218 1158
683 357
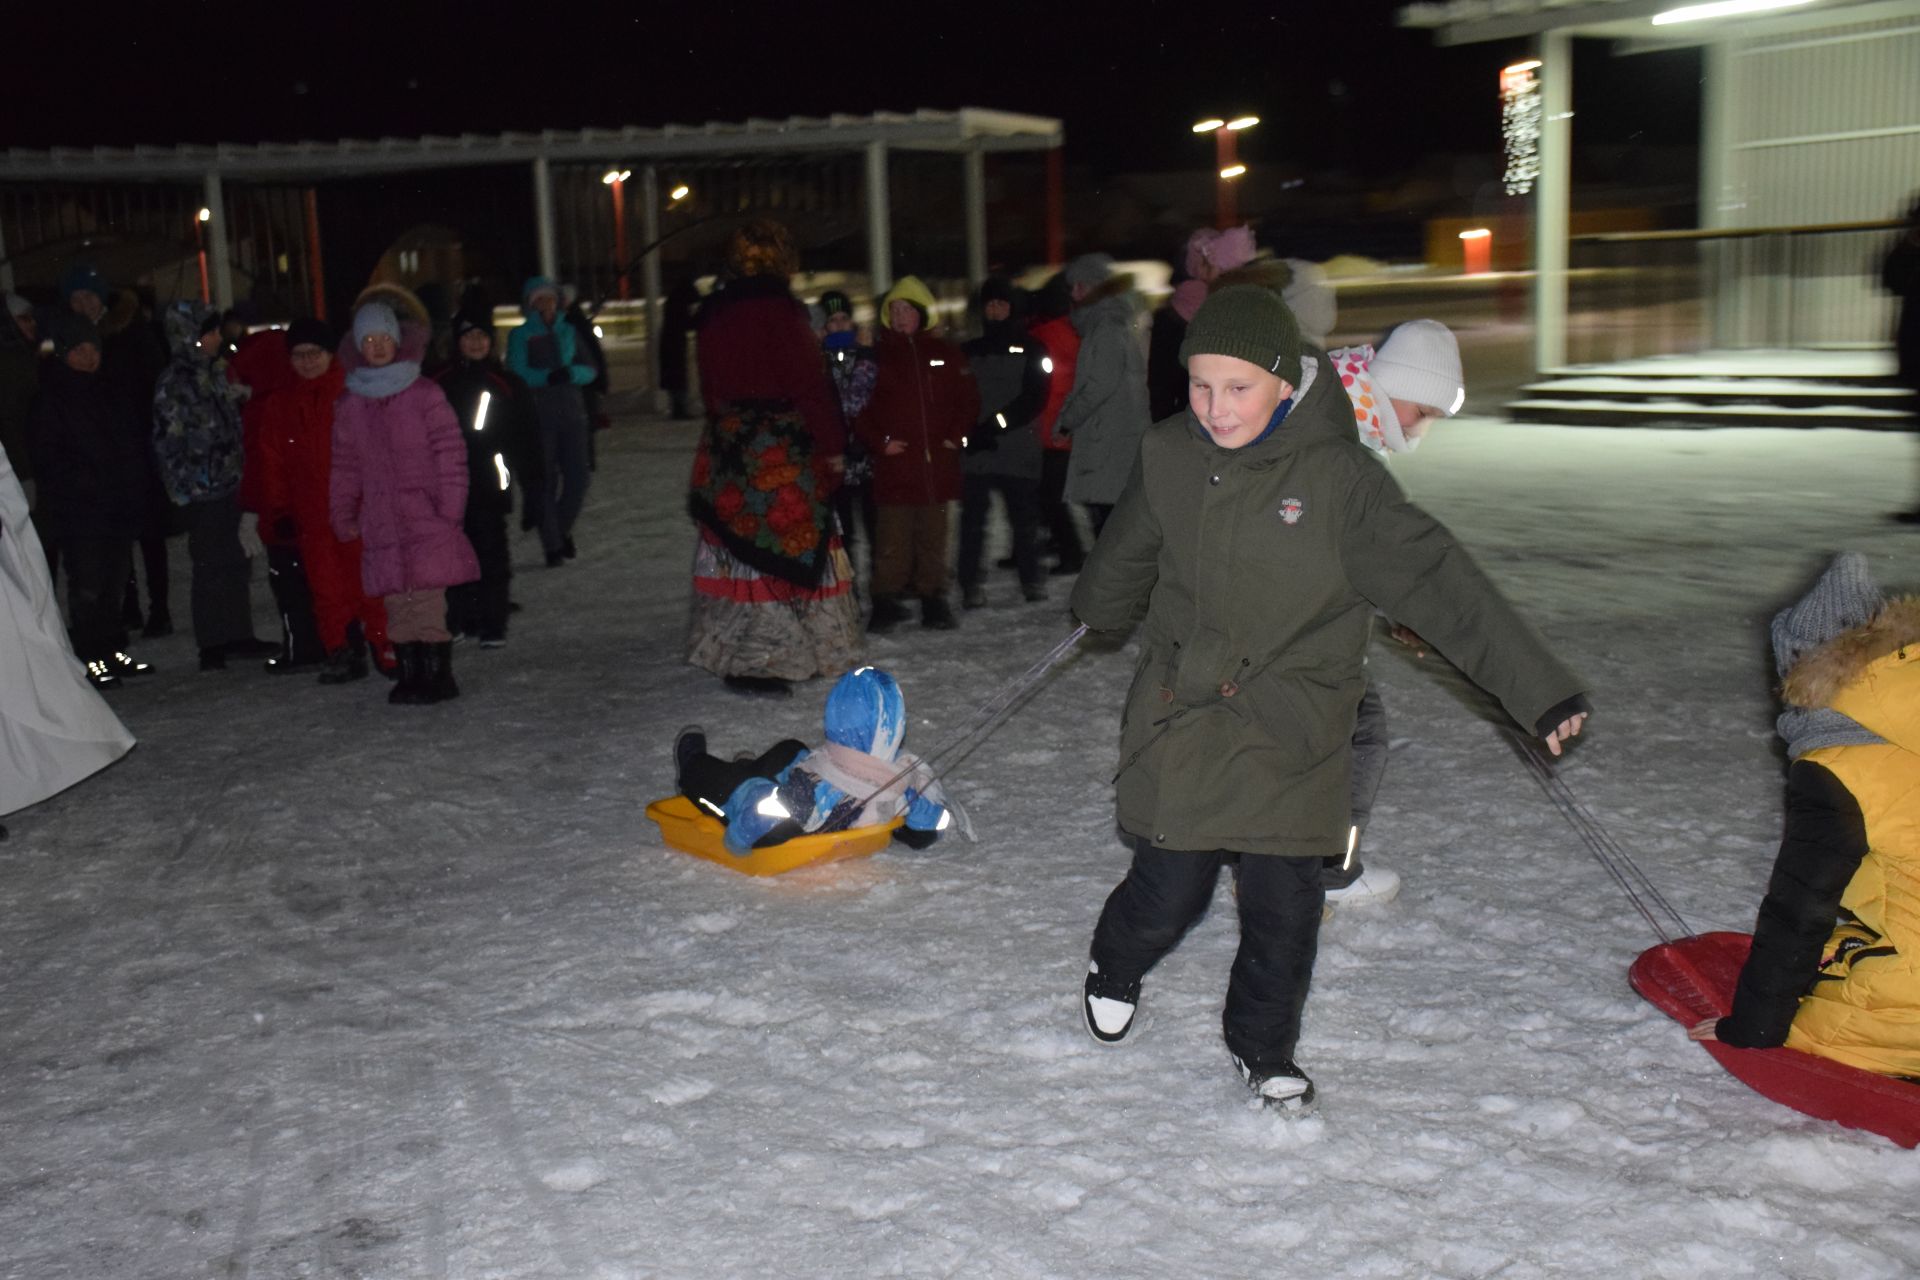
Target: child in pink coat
400 486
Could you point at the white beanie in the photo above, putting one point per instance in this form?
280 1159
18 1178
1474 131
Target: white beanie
1419 362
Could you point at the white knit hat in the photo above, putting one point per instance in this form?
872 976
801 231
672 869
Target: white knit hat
1419 361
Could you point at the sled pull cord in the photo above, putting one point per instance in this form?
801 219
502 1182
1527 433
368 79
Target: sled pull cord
987 718
1647 900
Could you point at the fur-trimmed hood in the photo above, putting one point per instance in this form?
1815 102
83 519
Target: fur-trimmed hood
1820 677
413 346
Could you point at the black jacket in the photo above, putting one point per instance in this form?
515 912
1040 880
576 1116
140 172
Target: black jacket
90 456
511 431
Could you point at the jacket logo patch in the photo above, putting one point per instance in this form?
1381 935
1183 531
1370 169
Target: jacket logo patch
1291 509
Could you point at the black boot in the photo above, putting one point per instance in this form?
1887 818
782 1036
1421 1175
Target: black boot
888 613
409 690
759 686
936 613
349 661
439 679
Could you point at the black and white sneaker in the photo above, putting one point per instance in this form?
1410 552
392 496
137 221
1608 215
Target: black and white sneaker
1282 1087
1108 1005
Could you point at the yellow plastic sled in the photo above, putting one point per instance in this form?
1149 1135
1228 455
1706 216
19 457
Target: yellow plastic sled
685 828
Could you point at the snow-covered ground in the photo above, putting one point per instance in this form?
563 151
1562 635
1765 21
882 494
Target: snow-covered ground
308 986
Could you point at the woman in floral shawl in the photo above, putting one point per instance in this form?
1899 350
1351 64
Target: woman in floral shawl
772 587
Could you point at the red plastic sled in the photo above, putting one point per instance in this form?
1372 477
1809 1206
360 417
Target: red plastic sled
1693 979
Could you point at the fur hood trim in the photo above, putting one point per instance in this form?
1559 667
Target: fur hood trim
405 303
1817 679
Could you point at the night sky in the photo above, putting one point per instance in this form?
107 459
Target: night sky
1336 85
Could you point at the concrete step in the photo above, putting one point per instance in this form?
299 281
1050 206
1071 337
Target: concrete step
1779 392
1679 412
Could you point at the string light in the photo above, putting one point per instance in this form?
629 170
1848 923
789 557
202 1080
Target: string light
1520 118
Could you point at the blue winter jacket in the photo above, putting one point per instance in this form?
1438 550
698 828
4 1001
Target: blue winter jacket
535 349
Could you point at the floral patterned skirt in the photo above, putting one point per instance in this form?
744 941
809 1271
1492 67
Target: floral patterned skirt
747 623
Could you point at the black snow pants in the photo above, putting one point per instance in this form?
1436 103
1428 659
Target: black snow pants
708 780
1281 900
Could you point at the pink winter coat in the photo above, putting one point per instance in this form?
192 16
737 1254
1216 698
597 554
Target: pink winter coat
400 486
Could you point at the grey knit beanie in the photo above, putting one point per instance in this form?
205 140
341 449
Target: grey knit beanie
1249 323
375 317
1842 599
1419 361
1089 269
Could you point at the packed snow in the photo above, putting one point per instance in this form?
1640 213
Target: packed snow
310 986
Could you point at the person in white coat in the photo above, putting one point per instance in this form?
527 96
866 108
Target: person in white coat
55 728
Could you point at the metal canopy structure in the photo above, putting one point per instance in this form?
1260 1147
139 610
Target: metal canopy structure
1775 83
970 133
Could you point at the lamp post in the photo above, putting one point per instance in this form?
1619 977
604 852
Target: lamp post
200 222
616 179
1227 164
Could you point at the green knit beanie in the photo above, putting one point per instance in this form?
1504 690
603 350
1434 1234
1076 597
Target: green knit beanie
1249 323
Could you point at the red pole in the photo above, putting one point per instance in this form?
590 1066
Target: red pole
316 271
200 244
619 186
1056 206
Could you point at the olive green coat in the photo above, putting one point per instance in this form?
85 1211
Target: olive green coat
1257 572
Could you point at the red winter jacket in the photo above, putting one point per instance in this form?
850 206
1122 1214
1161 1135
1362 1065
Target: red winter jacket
924 397
1062 342
756 344
263 366
296 452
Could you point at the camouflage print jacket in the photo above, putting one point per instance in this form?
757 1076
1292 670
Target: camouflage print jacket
196 415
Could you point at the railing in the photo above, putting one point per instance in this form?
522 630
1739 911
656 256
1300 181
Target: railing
1642 293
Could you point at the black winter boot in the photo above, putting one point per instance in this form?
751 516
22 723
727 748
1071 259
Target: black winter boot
888 613
937 614
349 661
439 685
410 689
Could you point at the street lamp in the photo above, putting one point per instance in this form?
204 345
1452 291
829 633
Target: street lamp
616 180
679 193
1226 163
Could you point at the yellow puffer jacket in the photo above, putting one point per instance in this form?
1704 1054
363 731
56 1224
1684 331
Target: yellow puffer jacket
1864 1009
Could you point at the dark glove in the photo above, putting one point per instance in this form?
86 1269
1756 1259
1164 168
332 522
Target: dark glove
984 438
561 376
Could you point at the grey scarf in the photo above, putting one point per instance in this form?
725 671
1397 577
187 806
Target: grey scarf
387 380
1809 729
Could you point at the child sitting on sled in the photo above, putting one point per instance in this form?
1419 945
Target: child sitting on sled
858 777
1833 967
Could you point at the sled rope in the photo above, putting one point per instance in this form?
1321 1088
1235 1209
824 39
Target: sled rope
987 718
1646 898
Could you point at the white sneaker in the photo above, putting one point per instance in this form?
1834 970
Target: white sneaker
1283 1088
1108 1005
1374 884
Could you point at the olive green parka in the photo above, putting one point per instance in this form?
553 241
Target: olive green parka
1257 572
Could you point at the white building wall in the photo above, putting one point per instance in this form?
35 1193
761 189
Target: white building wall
1818 126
